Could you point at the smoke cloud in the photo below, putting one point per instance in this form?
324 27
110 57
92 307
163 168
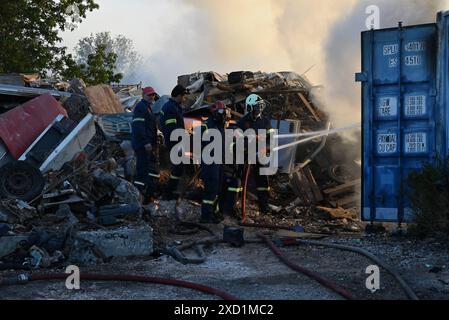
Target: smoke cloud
280 35
183 36
342 50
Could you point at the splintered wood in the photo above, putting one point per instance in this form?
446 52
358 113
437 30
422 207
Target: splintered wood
305 187
344 195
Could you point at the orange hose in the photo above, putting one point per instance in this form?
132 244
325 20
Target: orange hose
245 186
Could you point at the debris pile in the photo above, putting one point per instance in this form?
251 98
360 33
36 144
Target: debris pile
65 185
316 173
63 195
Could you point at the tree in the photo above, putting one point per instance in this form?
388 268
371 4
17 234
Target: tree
127 58
99 68
29 32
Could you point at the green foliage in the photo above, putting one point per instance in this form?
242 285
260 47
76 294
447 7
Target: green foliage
128 59
429 196
99 68
29 33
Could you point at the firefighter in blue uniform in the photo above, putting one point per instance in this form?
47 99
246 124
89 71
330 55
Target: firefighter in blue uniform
144 143
171 118
212 174
254 119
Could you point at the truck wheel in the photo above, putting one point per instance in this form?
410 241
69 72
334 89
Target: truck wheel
20 180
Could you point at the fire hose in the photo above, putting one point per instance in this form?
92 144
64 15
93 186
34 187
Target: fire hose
311 274
408 291
24 278
328 284
244 192
293 241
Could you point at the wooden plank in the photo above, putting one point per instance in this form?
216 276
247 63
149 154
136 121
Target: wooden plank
301 188
342 188
349 201
103 100
338 213
309 107
313 185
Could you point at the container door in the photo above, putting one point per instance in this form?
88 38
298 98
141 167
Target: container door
399 99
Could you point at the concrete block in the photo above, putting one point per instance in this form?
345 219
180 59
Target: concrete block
122 242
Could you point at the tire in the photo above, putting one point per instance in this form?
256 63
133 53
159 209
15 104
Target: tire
343 173
20 180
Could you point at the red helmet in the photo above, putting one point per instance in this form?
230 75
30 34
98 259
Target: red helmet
148 91
219 105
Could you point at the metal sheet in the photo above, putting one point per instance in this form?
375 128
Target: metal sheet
287 157
22 125
74 143
30 92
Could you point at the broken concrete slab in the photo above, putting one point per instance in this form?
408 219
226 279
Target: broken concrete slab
122 242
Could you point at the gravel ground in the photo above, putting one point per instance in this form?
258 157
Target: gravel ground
253 272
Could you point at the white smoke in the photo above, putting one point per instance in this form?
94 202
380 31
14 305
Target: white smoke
278 35
342 96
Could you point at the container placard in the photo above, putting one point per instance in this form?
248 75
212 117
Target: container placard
416 142
387 143
387 107
415 106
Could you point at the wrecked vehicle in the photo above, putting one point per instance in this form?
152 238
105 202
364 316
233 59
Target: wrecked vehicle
37 137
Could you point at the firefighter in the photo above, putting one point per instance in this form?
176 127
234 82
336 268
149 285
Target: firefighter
212 174
144 143
254 119
171 118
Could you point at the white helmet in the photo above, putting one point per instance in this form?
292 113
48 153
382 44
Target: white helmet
254 104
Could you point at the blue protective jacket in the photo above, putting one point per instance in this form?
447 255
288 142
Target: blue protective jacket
144 126
171 118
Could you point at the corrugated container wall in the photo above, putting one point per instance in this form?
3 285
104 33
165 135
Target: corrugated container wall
404 111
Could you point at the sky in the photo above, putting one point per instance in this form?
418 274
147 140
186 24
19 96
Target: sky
177 37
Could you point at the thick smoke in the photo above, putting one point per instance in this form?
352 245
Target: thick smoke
276 35
342 50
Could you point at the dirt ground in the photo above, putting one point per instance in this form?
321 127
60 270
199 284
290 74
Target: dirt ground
254 273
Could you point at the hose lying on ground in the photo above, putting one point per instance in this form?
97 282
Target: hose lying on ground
264 226
23 278
311 274
197 245
409 292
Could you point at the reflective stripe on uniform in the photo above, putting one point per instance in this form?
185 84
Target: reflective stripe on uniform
264 189
170 121
139 120
139 183
162 112
174 177
154 175
235 189
209 202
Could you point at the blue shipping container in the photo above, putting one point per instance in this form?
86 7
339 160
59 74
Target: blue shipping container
404 111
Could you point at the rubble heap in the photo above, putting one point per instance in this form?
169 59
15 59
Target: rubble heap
87 211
